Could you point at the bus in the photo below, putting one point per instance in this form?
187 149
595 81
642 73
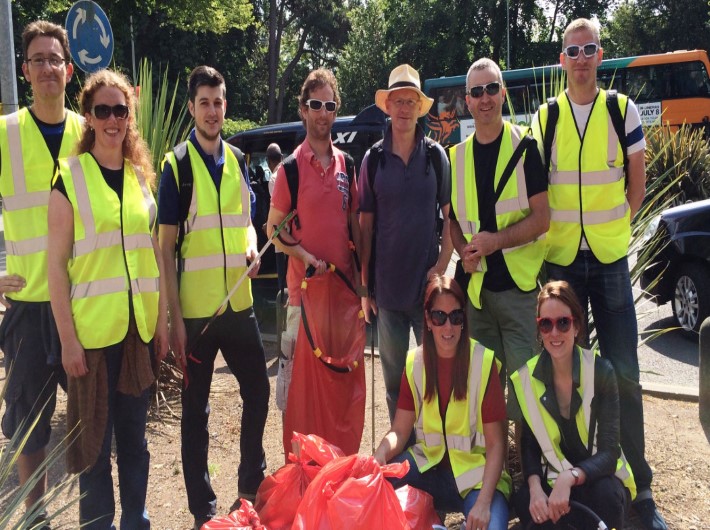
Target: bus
673 87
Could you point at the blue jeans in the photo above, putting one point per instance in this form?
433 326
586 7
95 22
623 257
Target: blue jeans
393 340
439 482
126 420
607 288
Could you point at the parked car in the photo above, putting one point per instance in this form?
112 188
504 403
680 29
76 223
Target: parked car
680 273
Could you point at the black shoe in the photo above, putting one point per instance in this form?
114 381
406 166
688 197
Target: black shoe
251 497
40 522
648 513
199 521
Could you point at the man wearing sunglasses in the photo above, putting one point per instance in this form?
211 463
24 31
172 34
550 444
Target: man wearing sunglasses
327 209
499 202
594 193
216 244
400 202
31 140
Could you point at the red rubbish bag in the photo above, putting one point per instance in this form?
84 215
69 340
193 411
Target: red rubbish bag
418 507
327 391
353 493
280 494
244 518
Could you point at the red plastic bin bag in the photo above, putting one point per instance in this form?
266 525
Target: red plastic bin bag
352 493
418 507
244 518
280 494
327 391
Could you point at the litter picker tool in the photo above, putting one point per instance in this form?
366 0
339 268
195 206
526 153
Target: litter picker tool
231 292
372 371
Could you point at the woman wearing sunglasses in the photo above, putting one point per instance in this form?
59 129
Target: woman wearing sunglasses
570 440
451 396
106 296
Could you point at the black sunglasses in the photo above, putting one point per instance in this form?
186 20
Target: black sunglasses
573 50
456 317
491 89
563 324
317 104
103 112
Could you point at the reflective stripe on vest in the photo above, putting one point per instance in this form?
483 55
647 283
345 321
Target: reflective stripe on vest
26 169
523 261
587 186
464 438
213 252
113 255
529 392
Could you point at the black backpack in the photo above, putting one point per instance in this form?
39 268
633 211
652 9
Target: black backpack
612 105
375 161
187 179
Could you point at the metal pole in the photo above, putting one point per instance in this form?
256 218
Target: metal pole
507 34
8 76
133 52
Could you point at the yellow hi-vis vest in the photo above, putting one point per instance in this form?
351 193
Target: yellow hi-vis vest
25 182
524 261
529 391
463 425
113 256
587 186
213 252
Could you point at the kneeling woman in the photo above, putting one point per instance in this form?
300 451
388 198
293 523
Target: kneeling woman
451 396
105 289
570 440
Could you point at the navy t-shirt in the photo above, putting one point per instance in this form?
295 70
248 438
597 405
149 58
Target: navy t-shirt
169 196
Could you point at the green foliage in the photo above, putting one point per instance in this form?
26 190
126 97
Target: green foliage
9 452
161 121
217 16
366 59
232 127
654 26
679 162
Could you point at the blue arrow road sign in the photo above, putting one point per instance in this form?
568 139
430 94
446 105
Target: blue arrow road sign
90 36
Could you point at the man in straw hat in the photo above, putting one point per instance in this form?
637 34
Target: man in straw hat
499 199
404 184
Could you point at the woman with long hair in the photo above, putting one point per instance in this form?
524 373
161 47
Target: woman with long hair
452 397
570 440
107 299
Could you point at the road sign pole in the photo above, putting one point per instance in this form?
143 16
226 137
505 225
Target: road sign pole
8 77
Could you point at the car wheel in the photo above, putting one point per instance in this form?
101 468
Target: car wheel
691 297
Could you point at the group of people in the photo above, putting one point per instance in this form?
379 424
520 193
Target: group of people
95 267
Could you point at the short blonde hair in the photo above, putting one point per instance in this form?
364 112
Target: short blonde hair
579 25
484 64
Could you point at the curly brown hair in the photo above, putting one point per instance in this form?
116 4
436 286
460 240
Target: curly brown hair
134 147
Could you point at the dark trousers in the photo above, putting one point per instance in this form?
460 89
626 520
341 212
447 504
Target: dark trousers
236 335
607 288
607 497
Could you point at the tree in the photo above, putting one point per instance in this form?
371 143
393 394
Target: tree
652 26
298 28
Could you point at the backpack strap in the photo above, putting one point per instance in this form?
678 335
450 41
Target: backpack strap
619 123
525 141
374 160
291 169
553 114
185 180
